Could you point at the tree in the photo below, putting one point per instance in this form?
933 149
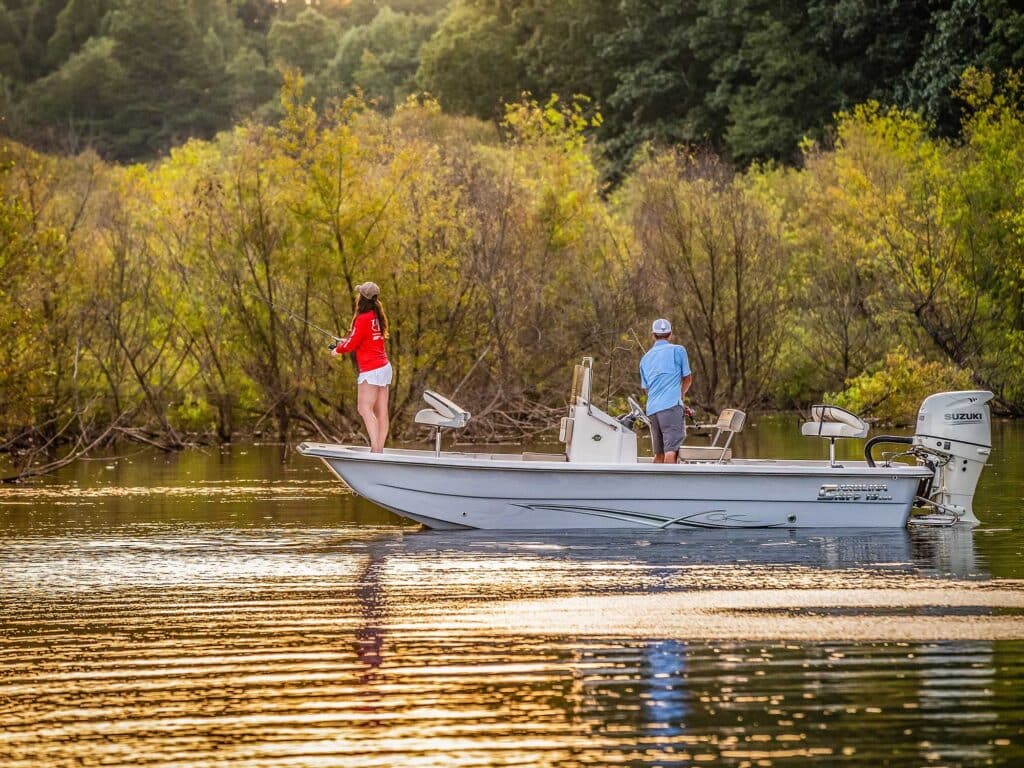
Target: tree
966 33
172 89
10 42
77 22
574 47
253 83
768 85
659 89
470 63
76 104
713 248
40 23
989 180
787 97
308 42
381 57
869 45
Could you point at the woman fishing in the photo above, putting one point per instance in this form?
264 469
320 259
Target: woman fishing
366 339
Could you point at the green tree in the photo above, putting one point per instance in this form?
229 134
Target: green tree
659 91
10 44
77 22
253 83
470 64
307 42
172 90
986 34
768 84
76 104
869 44
381 57
577 47
40 23
787 94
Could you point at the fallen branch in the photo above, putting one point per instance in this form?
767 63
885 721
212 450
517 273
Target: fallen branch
133 433
44 469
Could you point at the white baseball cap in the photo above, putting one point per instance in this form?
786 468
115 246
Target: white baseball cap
661 325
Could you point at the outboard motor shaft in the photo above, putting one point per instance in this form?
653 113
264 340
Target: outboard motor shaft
956 427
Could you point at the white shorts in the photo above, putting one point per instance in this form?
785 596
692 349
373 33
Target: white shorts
379 377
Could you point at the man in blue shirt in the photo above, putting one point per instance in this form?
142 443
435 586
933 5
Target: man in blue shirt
665 374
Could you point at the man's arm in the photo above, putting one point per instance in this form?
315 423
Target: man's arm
685 383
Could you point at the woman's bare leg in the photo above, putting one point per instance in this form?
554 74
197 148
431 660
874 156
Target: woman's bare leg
380 411
366 397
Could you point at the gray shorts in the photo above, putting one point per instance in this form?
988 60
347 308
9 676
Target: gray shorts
667 430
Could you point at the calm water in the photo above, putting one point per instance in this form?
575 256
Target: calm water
220 608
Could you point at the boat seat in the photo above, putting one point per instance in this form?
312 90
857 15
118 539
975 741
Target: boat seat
730 421
832 422
432 418
442 414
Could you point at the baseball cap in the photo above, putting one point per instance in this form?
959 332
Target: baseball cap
661 325
368 290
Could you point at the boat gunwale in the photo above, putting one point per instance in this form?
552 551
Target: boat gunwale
783 467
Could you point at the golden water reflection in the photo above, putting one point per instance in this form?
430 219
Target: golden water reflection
281 647
225 609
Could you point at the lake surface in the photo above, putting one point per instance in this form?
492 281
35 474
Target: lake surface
221 608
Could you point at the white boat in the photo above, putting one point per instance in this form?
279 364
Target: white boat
600 482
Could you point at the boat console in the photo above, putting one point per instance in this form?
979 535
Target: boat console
590 435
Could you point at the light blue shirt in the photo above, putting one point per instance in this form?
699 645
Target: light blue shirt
661 371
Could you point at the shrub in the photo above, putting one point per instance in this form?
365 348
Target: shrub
893 393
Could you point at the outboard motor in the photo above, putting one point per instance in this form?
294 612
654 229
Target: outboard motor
954 430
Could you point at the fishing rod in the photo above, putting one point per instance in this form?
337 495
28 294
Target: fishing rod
332 336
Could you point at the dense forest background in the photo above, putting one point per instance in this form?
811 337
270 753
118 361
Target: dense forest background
747 79
823 197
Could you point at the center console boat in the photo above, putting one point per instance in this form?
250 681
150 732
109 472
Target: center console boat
599 481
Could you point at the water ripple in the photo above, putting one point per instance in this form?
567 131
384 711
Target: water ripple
172 612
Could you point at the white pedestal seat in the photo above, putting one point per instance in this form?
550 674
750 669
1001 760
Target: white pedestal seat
443 414
832 422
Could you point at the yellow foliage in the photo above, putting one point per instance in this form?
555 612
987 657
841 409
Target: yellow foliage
893 393
502 256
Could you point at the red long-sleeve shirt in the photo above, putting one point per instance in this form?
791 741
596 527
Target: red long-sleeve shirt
367 341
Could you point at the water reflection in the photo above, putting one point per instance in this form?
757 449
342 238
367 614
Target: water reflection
283 646
279 621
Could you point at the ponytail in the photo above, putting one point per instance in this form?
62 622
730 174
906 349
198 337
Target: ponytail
364 304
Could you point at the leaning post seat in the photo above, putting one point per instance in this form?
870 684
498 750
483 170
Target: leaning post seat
832 422
442 414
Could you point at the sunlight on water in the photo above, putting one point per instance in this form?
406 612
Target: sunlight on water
232 611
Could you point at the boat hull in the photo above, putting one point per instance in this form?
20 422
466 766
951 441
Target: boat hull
462 491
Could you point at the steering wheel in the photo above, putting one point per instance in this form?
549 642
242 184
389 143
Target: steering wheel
636 410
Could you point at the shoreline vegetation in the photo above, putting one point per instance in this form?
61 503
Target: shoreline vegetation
719 173
137 302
